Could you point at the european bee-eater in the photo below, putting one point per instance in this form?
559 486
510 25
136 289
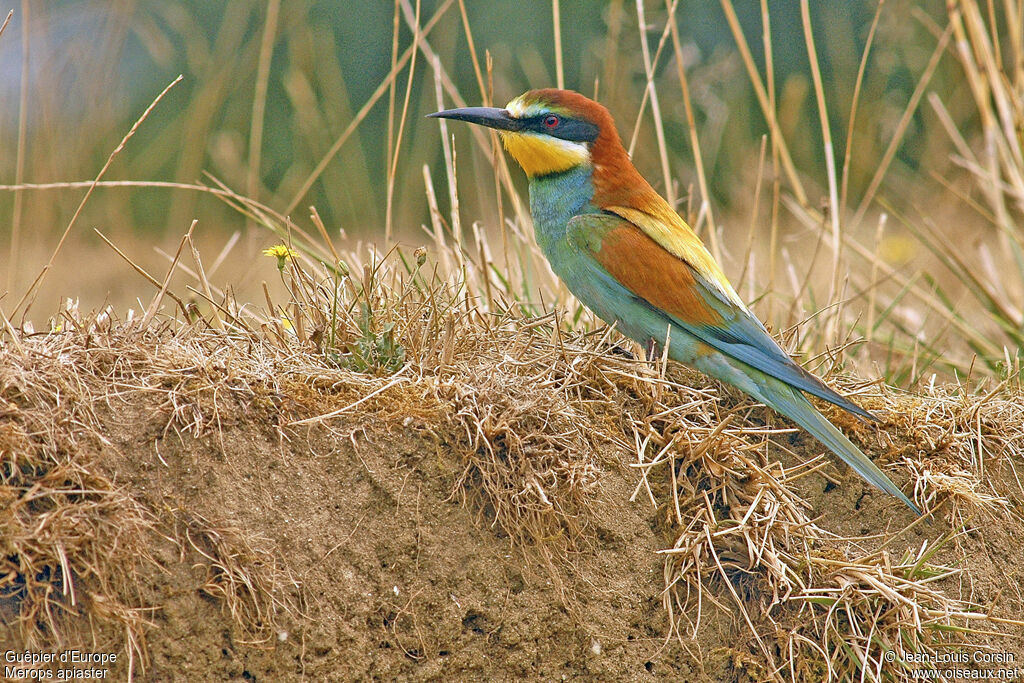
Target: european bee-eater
630 258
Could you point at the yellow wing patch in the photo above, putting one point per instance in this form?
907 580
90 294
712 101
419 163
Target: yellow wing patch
665 227
540 155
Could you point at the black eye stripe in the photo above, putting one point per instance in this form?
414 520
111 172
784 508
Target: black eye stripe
574 130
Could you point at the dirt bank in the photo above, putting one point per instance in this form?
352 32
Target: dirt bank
206 507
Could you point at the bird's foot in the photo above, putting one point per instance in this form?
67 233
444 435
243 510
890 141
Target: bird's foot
653 350
620 350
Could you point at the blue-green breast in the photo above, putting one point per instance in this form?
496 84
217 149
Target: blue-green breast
554 199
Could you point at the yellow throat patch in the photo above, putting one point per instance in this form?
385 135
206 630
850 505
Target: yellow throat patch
541 154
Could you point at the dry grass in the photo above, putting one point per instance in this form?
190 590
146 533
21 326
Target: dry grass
80 549
819 606
72 540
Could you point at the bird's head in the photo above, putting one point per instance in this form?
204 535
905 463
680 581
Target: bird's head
546 131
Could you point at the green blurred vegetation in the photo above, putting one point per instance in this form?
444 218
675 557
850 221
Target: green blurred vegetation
95 65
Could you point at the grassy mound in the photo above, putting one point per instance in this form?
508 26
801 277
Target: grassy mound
383 480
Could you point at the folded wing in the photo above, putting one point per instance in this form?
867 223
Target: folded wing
692 300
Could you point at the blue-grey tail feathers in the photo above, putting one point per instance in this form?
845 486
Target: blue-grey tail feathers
794 405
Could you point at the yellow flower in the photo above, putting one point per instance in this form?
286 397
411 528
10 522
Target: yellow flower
282 253
898 249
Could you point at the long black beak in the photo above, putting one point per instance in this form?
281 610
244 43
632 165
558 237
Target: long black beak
484 116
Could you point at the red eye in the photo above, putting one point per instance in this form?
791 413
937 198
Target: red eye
551 121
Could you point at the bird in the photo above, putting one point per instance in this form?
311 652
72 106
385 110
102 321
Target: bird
628 256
